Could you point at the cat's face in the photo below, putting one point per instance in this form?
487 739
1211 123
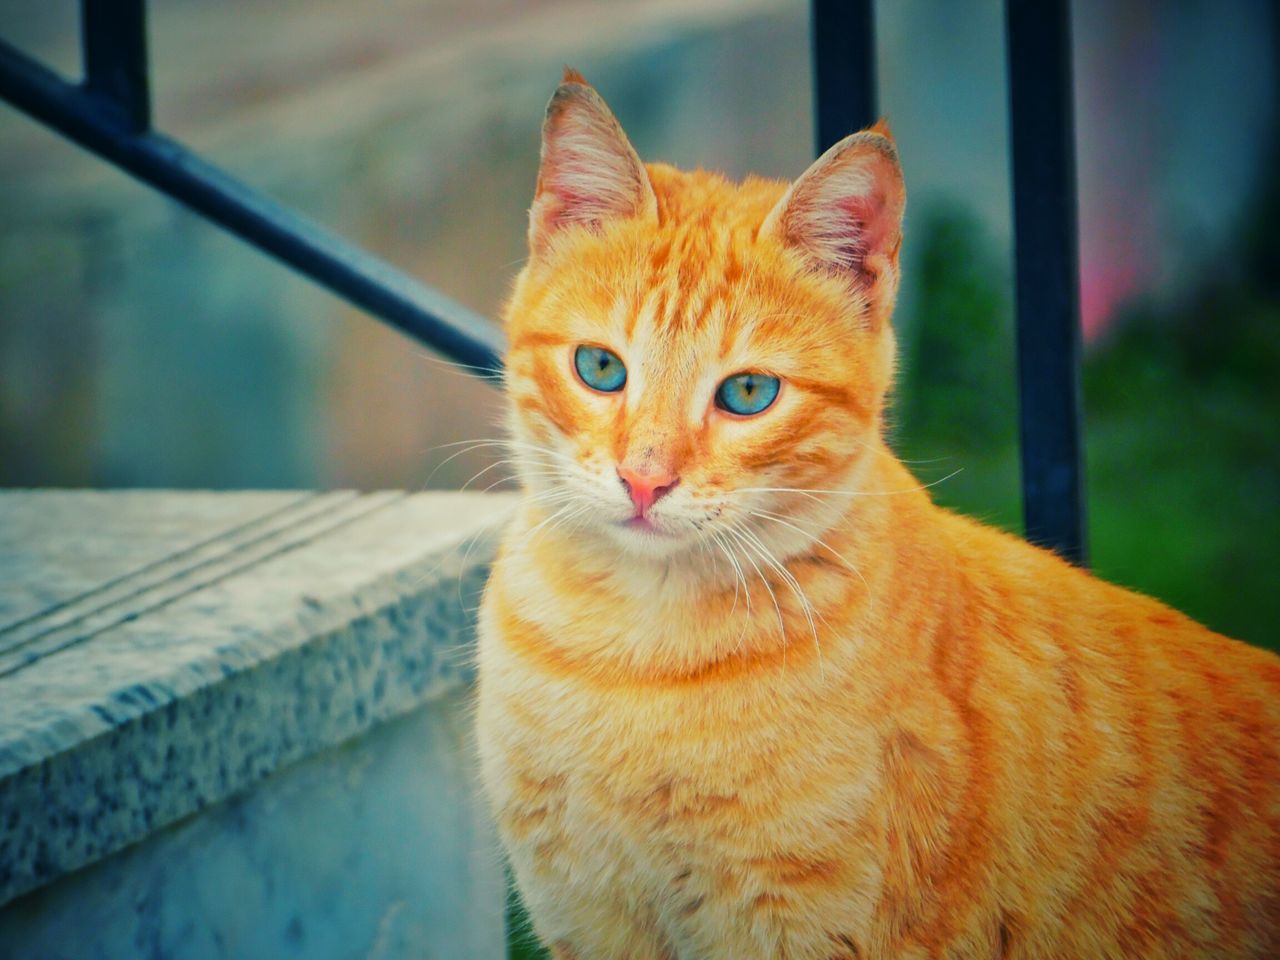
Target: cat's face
696 364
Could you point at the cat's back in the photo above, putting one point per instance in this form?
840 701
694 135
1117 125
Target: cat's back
1125 756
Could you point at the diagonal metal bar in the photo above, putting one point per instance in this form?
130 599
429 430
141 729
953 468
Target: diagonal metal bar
844 68
86 116
1042 136
113 39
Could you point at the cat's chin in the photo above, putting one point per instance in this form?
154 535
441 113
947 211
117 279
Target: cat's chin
643 525
644 538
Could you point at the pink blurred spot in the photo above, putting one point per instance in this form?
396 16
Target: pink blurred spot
1103 287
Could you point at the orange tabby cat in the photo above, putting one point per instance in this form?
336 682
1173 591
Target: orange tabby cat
746 693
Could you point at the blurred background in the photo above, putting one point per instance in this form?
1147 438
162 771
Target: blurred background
141 347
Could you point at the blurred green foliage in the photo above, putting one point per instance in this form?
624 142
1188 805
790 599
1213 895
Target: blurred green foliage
1184 468
522 942
1182 401
957 384
954 418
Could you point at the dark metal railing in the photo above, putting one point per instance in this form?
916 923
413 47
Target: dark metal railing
109 113
1042 137
844 68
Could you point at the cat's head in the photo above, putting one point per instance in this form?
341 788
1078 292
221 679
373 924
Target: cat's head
686 353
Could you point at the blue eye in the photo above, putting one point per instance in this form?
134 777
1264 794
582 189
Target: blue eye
600 369
747 394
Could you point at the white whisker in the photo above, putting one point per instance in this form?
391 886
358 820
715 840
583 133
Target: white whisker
846 493
739 577
791 581
766 515
782 624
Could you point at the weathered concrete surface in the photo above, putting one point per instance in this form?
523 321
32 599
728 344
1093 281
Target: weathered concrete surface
146 681
375 849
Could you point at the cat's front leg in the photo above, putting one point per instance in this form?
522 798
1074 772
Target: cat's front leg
563 950
579 911
615 937
600 931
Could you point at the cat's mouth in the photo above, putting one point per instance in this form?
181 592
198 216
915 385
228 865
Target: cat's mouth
643 524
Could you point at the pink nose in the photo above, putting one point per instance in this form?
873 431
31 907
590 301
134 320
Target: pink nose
647 487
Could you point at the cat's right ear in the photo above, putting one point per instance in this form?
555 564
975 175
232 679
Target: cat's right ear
590 173
844 214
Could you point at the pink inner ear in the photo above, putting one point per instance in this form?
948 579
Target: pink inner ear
589 172
564 205
861 214
558 206
551 215
563 202
861 230
845 212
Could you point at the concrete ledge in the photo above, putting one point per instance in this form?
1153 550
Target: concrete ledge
160 652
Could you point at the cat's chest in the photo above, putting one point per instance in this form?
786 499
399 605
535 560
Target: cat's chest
687 801
659 755
635 796
639 751
648 765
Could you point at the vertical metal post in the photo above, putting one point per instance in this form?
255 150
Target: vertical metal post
844 68
113 36
1038 37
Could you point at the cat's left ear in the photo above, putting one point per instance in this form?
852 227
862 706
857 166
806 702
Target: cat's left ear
590 173
844 214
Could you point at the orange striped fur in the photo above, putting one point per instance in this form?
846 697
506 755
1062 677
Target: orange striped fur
839 722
